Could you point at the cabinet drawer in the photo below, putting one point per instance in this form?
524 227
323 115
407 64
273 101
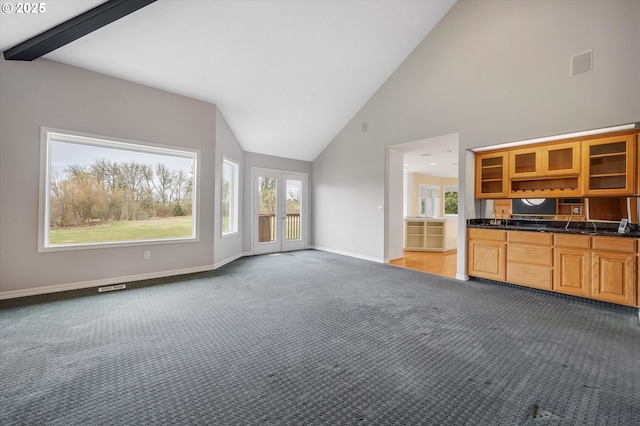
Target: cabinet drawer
530 237
573 241
621 244
487 234
532 255
529 275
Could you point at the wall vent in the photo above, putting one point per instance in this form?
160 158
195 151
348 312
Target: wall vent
112 288
581 63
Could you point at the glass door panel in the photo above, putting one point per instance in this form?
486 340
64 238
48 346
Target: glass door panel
293 209
267 209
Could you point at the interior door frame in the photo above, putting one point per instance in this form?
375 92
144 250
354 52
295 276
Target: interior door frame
281 244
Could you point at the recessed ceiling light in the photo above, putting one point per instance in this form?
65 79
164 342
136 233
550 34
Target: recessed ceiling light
425 155
433 164
309 97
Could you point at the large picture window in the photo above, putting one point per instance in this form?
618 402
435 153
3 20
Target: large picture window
99 192
229 215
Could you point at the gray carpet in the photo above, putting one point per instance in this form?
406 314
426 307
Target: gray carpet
315 338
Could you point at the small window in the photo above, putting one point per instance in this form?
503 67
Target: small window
98 192
229 197
451 200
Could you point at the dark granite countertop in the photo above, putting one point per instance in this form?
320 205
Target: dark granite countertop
558 227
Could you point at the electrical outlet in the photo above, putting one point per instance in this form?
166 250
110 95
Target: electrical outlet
147 255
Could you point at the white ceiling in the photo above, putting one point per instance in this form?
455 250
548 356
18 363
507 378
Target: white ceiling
286 75
436 156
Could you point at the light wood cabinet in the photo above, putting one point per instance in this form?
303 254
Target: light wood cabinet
530 259
596 267
525 163
572 272
613 277
550 170
609 165
557 159
637 169
596 166
491 175
430 234
487 254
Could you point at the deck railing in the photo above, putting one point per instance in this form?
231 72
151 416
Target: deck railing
267 227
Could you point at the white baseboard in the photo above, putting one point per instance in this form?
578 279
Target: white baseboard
98 283
348 253
228 260
462 277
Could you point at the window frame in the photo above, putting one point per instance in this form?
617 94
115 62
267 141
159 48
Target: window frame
445 189
234 201
47 136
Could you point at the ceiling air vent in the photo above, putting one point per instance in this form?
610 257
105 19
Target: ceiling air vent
581 63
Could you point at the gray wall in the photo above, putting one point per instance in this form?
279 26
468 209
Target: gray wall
494 72
253 160
229 247
46 93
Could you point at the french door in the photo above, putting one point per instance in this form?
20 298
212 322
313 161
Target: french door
279 211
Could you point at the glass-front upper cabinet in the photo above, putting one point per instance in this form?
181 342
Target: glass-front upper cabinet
557 159
561 159
609 165
491 175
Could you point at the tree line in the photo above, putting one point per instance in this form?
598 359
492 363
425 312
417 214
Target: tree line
107 191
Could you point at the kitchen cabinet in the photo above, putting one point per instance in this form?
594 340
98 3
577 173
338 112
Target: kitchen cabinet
604 268
613 263
491 175
487 254
609 165
637 169
530 259
550 170
430 234
572 274
556 159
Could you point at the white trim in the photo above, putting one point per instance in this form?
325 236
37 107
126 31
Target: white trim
49 135
348 253
98 283
228 260
462 277
234 202
557 137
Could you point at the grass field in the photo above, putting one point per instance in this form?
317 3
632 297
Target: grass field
124 230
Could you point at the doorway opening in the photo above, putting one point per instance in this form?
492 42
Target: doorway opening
279 211
430 182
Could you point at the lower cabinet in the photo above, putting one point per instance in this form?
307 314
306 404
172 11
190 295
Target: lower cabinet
530 259
596 267
572 273
613 275
487 250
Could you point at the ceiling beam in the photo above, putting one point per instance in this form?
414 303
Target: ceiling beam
73 29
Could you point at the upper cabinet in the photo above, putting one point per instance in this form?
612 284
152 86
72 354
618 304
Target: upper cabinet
550 170
597 166
609 165
491 175
562 159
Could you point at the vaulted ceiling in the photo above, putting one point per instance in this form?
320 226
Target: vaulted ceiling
287 75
